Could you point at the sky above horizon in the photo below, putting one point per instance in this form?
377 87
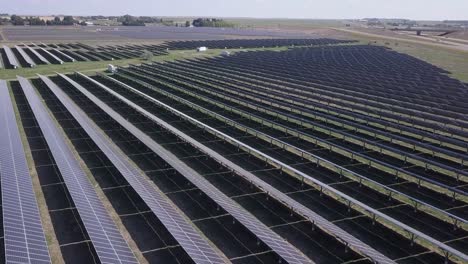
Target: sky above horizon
315 9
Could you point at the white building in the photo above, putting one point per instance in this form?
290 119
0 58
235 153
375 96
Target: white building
201 49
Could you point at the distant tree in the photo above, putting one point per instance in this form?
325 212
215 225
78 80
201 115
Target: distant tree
147 19
128 20
36 21
68 20
57 21
147 55
17 20
187 23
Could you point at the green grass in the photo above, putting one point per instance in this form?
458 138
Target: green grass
93 66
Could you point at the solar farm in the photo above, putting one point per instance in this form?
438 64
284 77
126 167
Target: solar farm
283 150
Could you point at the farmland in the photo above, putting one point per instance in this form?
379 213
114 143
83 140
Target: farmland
269 147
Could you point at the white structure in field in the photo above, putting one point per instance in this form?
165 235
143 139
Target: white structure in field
200 49
111 68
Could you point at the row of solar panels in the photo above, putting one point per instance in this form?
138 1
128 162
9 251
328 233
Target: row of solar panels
212 44
29 55
22 56
32 55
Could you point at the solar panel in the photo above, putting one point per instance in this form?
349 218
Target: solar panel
41 58
105 236
63 54
189 238
349 239
52 55
24 235
25 56
11 57
270 238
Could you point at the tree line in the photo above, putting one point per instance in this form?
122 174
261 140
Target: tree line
211 22
126 20
37 21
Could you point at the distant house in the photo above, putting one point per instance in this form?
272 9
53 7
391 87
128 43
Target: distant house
88 23
201 49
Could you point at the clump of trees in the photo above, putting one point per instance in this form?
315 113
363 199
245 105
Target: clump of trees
36 21
211 22
149 20
66 21
129 20
16 20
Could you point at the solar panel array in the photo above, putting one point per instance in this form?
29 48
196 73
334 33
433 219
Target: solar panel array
103 232
227 94
196 246
259 157
23 231
284 144
275 242
317 219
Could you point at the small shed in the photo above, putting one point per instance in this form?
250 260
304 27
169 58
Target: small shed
201 49
111 68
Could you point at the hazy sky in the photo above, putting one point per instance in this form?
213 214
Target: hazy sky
412 9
